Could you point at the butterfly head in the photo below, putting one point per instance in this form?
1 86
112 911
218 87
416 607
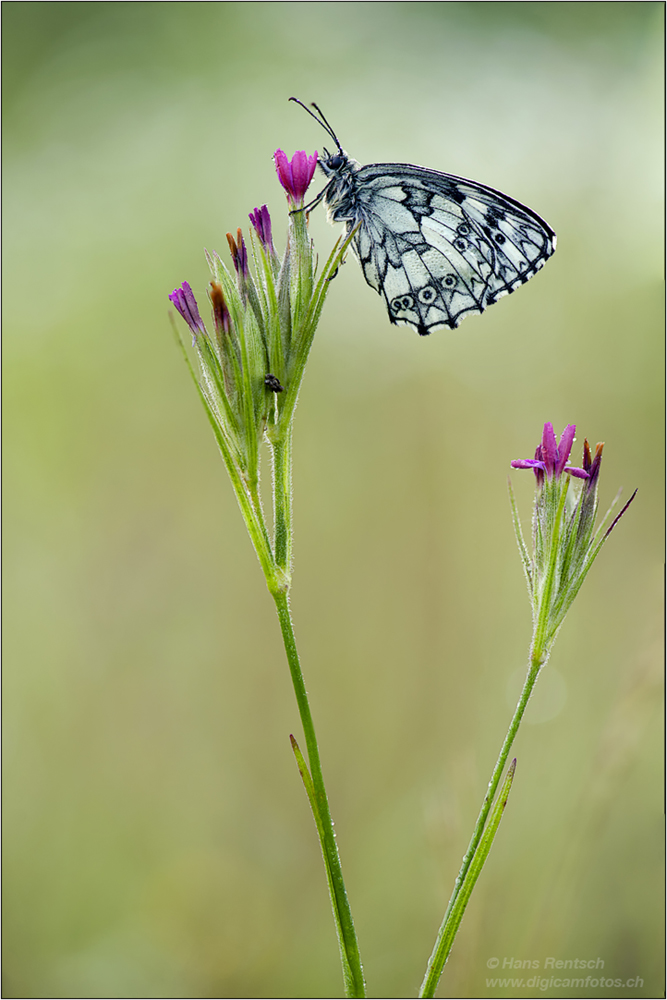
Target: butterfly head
335 164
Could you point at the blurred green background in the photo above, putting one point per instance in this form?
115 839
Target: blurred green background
158 842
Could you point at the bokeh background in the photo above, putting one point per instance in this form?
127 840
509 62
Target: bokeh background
158 842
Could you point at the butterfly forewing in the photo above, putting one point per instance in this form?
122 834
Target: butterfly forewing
437 247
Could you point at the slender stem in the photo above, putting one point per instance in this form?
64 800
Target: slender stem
352 971
282 508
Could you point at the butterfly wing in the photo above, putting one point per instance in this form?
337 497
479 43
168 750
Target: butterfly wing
439 248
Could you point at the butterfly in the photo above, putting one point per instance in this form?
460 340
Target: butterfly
436 247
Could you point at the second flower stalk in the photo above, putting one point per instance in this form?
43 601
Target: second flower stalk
565 545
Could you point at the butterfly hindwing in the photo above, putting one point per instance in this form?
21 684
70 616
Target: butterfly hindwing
437 247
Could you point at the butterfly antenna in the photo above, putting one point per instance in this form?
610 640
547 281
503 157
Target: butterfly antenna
320 121
328 127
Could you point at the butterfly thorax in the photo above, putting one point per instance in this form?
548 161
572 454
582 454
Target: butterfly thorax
340 192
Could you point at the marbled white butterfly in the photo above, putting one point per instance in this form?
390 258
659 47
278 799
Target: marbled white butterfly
437 247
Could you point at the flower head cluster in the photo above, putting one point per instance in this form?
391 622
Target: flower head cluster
264 318
565 543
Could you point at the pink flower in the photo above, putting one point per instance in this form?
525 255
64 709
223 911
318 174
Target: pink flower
239 254
183 299
296 174
261 221
551 457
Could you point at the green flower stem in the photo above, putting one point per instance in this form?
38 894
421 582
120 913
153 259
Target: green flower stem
314 780
539 654
276 568
277 572
352 971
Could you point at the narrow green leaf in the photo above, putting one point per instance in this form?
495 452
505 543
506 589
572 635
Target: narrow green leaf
525 558
264 267
229 288
312 798
446 938
482 852
225 446
570 545
253 518
303 337
284 304
334 261
214 376
602 527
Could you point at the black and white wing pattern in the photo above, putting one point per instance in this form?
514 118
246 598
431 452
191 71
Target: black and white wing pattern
437 247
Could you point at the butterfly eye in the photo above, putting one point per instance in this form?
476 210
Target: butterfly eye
450 280
460 244
426 294
499 238
336 162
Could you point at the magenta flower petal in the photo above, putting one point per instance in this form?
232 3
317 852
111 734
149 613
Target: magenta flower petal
549 449
526 463
284 169
565 447
303 168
